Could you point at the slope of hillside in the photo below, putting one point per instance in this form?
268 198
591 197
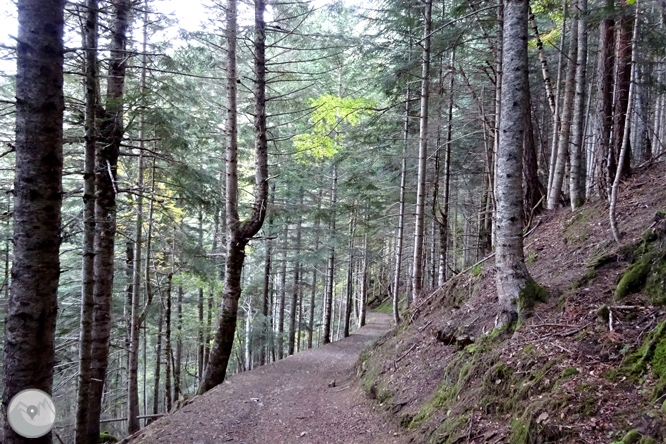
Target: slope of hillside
585 367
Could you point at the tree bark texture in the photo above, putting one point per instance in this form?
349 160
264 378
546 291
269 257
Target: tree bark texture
283 293
555 191
604 110
296 288
577 174
623 54
29 347
106 161
330 268
417 267
314 272
512 273
624 150
87 302
240 233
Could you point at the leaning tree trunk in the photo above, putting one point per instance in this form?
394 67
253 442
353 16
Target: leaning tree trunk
31 314
106 162
88 282
555 191
240 233
577 177
624 151
512 273
623 55
417 263
548 85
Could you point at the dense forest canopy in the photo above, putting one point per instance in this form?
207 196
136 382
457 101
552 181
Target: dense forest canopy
230 194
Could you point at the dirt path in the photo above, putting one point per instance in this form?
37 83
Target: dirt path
289 401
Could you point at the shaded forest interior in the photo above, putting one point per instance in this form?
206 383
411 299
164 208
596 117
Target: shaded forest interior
183 205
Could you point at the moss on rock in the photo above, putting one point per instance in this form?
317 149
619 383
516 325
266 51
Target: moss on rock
632 437
634 278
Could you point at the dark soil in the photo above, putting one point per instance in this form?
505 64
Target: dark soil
293 400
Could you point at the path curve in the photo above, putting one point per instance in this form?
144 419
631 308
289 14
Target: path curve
288 401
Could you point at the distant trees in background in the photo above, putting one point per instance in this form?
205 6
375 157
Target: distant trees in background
220 216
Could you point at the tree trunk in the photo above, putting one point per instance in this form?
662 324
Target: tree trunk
267 279
168 353
444 211
364 283
88 282
512 273
29 348
556 115
604 109
550 95
401 216
106 162
296 287
532 188
200 306
350 283
577 176
330 268
623 55
135 330
624 151
555 192
179 347
417 272
158 358
314 272
240 233
283 291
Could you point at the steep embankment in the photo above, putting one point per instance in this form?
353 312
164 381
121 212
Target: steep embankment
310 397
585 367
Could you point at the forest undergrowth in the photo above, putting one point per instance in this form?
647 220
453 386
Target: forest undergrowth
588 365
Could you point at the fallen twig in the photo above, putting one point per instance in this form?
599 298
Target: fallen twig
406 353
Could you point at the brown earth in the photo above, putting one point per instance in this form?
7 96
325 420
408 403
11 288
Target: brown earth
292 400
559 377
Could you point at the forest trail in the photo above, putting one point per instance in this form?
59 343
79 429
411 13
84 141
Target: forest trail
288 401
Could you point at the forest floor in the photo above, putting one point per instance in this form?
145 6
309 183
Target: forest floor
290 401
588 366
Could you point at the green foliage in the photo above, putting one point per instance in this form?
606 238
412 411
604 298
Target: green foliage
329 113
530 258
